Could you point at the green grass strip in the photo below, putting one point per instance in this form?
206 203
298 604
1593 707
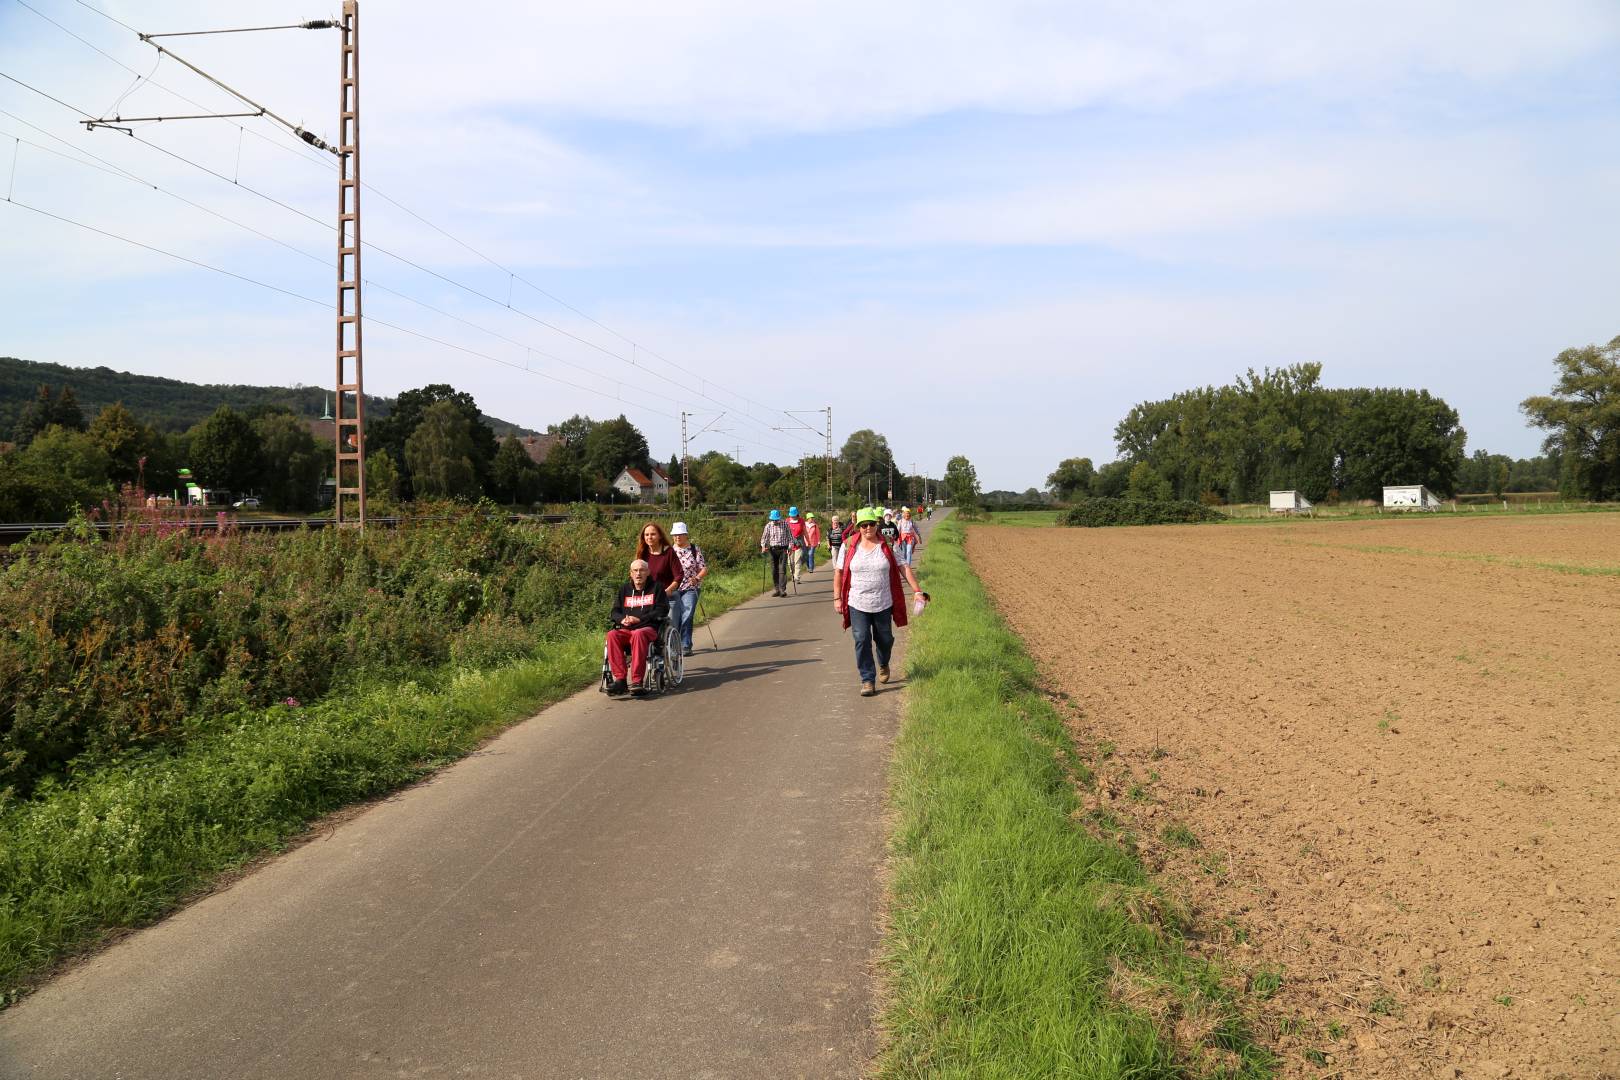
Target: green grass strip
123 845
1013 927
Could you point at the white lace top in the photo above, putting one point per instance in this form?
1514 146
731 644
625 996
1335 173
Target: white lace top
868 578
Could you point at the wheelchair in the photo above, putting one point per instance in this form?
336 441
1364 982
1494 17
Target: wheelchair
666 665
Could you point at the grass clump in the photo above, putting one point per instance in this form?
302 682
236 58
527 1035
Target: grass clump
1100 511
1020 944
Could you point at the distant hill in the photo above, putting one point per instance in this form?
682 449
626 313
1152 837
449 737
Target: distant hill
169 404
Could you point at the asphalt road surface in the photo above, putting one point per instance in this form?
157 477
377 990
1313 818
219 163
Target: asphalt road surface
680 887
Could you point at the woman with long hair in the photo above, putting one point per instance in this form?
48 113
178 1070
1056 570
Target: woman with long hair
663 566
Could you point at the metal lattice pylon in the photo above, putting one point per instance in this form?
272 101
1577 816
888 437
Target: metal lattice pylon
350 494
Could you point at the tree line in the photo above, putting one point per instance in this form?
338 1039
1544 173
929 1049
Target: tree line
432 443
1282 430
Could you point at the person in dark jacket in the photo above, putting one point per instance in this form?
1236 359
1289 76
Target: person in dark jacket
638 615
835 538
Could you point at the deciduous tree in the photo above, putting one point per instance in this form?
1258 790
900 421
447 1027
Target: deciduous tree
291 462
1073 477
961 482
439 454
225 451
1582 417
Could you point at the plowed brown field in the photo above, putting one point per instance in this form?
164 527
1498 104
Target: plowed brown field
1398 746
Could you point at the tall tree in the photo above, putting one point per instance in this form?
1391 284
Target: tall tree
612 445
392 432
127 442
291 462
961 482
1073 477
35 417
67 412
1582 418
866 457
1393 436
514 477
439 454
225 451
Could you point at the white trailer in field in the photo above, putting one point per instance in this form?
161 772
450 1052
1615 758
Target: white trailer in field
1410 497
1289 502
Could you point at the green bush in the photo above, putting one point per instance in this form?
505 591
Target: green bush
112 645
1093 513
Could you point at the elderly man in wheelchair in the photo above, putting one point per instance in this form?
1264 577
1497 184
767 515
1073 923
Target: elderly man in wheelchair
640 626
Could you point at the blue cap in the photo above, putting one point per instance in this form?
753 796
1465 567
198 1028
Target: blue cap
793 511
776 515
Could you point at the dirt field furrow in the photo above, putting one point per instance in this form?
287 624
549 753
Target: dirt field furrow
1396 744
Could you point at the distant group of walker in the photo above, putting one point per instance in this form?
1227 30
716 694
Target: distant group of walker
650 632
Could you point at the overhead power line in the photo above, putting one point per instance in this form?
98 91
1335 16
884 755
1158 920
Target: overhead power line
703 381
636 346
369 319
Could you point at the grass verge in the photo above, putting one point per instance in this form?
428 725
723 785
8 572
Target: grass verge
122 845
1024 941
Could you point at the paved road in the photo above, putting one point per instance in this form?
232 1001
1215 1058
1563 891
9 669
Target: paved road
685 887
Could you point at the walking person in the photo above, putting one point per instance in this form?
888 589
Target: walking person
659 554
866 592
888 529
694 567
776 539
812 541
909 540
796 544
835 537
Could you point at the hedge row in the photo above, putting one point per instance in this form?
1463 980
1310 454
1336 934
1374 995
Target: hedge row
112 645
1093 513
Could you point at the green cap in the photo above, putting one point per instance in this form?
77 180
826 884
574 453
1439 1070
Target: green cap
867 513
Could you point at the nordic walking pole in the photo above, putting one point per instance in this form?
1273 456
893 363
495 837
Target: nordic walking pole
706 625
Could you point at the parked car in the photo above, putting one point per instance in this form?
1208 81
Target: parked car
249 503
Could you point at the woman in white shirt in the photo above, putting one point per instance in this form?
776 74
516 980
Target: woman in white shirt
866 592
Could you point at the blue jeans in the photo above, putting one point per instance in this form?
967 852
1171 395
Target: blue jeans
869 628
809 558
684 608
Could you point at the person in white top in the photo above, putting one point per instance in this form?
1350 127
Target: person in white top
908 540
866 588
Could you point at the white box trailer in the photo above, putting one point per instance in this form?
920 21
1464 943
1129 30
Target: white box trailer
1289 502
1410 497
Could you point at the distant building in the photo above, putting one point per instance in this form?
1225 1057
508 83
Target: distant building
635 484
1410 497
539 447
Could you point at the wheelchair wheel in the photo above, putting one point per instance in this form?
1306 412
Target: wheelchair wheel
674 660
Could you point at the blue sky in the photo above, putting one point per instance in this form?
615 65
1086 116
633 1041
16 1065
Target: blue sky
989 229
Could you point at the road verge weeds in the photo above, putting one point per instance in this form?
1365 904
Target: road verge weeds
1021 942
121 844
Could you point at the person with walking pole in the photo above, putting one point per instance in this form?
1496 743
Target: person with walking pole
683 604
776 539
866 592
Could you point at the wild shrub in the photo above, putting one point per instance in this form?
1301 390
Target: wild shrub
1100 511
112 645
